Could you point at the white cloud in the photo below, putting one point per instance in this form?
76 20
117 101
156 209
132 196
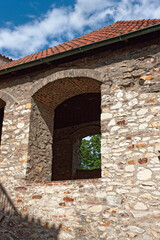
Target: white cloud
62 24
140 9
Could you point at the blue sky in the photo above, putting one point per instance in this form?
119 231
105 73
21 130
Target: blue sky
28 26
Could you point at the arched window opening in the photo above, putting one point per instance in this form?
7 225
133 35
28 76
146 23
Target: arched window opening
62 113
87 155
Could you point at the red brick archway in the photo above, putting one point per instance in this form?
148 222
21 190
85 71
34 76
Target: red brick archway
44 103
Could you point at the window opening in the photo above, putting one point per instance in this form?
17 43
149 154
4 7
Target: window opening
75 118
62 113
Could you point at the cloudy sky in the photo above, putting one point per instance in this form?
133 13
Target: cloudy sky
28 26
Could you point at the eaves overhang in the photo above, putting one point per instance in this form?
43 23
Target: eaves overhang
81 49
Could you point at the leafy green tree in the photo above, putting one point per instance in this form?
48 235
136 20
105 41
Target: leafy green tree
91 152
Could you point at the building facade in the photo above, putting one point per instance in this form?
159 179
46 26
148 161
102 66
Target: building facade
104 82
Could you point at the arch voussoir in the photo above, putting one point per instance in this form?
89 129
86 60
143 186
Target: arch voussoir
7 97
72 73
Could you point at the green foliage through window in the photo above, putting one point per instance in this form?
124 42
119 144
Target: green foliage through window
91 152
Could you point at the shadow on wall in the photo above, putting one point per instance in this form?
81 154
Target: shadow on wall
14 227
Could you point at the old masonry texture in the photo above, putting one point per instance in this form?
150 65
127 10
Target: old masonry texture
125 202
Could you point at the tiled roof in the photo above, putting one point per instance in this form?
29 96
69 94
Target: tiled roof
110 31
4 57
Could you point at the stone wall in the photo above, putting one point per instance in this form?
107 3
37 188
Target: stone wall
40 142
125 202
14 226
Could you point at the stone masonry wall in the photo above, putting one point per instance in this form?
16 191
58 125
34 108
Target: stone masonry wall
40 142
123 204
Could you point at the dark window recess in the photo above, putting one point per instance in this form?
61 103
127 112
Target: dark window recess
74 119
77 110
1 121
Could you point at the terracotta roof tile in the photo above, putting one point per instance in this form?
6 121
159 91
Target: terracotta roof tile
110 31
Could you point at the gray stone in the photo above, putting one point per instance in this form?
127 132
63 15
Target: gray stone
112 200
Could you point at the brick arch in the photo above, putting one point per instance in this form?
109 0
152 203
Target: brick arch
47 94
72 73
